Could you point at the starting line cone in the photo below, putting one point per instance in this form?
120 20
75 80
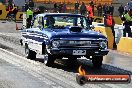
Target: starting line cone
16 27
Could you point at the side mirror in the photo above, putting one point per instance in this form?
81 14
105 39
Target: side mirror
92 26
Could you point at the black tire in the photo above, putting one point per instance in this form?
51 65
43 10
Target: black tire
72 61
97 61
21 42
29 53
48 59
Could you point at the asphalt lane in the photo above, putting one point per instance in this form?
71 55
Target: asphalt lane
114 63
12 76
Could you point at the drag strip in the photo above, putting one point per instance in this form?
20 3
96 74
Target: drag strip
60 75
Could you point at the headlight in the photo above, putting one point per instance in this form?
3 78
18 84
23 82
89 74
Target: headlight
55 44
103 45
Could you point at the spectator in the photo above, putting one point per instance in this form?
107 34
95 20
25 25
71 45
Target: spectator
126 8
60 7
130 5
9 11
121 10
92 5
127 18
111 9
109 22
31 4
107 9
90 13
104 8
83 9
64 8
99 8
76 7
36 11
15 13
26 6
29 15
55 7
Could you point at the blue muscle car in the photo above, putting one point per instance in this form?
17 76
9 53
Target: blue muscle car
58 35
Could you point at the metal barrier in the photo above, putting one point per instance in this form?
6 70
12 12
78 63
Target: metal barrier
100 20
3 12
125 45
106 31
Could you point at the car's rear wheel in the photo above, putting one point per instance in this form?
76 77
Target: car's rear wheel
97 61
29 53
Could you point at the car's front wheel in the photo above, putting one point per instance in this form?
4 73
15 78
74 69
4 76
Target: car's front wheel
97 61
48 59
72 61
29 53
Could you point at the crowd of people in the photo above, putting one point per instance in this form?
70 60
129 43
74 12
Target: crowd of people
60 7
124 9
126 17
105 9
11 11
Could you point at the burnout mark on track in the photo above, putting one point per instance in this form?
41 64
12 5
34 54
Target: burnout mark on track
5 47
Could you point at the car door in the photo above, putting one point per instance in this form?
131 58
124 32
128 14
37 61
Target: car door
36 35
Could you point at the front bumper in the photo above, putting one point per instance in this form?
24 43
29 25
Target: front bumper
69 52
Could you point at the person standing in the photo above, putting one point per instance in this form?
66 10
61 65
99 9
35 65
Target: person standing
92 5
83 9
107 9
76 7
36 12
111 9
29 15
127 18
121 10
99 8
15 13
109 22
55 7
26 6
64 8
90 14
104 8
130 5
126 8
60 7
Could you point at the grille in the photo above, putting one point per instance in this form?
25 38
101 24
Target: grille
79 44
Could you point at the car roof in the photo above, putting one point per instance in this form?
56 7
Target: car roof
58 14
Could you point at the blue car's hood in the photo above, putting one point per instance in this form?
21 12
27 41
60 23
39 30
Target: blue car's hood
66 33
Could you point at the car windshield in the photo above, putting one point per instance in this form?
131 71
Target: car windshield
60 22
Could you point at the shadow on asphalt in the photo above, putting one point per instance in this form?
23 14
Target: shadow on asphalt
87 66
5 47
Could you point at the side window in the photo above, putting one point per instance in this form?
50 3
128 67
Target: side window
45 26
81 22
38 22
40 25
35 23
48 22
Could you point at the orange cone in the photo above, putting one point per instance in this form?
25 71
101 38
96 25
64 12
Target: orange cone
16 27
